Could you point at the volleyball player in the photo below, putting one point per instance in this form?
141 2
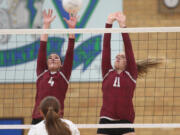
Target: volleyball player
118 83
52 123
53 76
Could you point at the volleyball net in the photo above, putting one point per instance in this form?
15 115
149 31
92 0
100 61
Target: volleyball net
156 98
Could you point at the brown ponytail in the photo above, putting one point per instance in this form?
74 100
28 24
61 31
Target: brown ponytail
54 125
144 65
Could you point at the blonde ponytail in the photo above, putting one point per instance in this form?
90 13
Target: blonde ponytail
144 65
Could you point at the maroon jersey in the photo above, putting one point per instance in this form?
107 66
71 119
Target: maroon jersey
117 88
49 84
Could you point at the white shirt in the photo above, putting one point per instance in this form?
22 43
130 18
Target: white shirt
40 129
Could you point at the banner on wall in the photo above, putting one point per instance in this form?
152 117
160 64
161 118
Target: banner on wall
18 53
11 121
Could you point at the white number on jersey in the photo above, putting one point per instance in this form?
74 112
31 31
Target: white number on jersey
51 82
116 82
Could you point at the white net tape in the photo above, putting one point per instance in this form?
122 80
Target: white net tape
164 125
95 30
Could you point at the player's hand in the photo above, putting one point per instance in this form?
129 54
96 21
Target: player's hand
48 18
121 19
72 21
111 18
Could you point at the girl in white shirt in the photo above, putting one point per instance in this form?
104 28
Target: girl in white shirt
52 123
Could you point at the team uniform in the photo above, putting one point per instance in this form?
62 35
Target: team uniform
40 128
118 89
52 84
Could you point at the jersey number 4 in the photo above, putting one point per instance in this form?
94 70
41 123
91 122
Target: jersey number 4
51 81
116 82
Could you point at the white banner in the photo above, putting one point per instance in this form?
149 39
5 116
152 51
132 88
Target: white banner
18 53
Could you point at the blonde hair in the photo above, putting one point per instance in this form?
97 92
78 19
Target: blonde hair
144 65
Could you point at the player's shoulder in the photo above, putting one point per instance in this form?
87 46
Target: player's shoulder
40 125
72 127
41 75
68 122
111 72
38 129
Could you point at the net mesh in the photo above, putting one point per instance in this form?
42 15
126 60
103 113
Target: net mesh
156 98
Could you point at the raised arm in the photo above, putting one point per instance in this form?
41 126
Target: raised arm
131 66
68 61
106 53
42 54
131 63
